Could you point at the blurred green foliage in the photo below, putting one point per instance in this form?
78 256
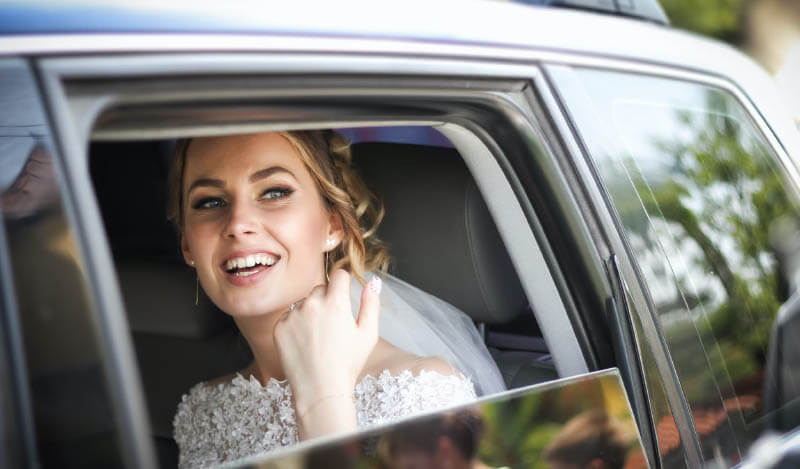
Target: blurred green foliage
722 193
720 19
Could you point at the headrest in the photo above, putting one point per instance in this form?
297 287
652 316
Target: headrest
440 234
157 287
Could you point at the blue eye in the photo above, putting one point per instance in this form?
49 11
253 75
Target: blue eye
209 202
274 193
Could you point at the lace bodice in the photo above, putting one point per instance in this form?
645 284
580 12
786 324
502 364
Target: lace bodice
228 421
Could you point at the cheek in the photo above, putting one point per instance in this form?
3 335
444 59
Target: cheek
301 231
198 237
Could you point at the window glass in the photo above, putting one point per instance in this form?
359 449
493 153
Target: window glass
71 406
578 422
707 214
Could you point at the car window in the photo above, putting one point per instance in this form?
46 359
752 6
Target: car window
709 217
582 421
181 338
70 402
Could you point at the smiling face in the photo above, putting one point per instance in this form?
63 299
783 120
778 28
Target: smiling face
254 223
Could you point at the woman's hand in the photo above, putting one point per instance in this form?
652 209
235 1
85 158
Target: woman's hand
323 351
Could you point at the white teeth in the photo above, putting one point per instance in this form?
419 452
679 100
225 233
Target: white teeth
250 261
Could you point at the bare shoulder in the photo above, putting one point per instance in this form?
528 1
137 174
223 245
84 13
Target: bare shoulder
437 364
388 357
225 379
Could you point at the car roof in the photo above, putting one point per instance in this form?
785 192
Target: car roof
38 16
443 22
460 29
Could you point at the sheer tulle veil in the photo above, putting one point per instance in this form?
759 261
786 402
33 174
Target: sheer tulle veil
422 324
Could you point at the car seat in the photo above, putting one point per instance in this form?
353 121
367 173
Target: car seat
442 239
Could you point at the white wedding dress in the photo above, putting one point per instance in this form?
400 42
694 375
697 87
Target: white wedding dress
228 421
220 423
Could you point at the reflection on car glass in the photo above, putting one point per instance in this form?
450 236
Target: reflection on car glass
34 189
583 421
712 224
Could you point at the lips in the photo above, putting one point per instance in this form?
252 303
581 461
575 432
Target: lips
251 260
245 269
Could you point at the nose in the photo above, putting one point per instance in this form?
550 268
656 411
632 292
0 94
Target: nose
241 221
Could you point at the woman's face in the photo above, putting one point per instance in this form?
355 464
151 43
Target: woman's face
255 224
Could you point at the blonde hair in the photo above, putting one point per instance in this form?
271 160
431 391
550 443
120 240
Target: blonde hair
327 157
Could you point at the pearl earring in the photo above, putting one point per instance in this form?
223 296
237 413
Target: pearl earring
330 242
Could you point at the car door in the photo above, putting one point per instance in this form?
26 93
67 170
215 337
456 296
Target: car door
489 110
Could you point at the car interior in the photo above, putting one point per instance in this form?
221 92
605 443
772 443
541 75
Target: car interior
440 232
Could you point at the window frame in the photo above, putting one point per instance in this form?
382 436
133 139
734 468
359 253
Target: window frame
511 90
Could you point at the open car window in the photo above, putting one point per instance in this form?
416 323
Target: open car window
442 236
459 221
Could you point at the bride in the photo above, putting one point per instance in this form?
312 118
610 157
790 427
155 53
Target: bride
281 232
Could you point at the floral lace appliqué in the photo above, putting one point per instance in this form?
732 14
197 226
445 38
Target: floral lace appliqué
228 421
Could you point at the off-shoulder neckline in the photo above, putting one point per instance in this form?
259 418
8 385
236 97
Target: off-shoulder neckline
272 382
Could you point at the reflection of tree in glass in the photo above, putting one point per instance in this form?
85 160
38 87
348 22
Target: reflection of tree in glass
592 440
723 194
516 433
448 440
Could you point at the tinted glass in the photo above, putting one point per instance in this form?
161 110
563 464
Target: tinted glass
72 413
584 421
708 216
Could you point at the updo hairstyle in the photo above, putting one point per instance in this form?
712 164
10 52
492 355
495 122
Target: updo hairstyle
327 157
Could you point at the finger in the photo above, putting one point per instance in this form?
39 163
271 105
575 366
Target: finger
339 287
318 292
370 305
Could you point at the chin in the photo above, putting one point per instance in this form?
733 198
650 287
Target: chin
249 307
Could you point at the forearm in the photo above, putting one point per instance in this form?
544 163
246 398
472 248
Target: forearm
326 415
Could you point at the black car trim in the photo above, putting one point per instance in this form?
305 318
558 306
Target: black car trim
630 366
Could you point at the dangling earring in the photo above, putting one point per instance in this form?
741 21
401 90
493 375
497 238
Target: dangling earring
327 278
330 242
196 285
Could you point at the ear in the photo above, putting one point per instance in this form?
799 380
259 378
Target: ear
187 254
335 231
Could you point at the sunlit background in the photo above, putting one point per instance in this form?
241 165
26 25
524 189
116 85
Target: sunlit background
767 30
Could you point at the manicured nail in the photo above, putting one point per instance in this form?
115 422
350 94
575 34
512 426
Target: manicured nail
375 284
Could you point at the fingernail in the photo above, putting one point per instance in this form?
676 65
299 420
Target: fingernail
375 284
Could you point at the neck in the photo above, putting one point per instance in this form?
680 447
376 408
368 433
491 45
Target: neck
257 330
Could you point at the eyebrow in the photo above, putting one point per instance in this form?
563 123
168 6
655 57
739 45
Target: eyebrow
267 172
257 176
